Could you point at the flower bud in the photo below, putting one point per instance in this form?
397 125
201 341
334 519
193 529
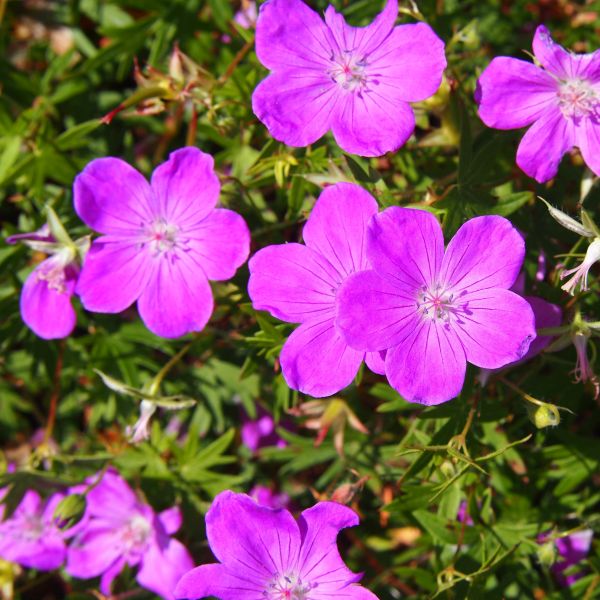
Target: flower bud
70 510
543 415
546 553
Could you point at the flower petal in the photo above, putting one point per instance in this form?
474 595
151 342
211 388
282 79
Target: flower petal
362 40
177 299
45 306
94 552
429 366
111 196
297 107
406 245
253 541
514 93
374 314
544 145
495 327
546 315
220 244
372 122
588 141
320 561
171 519
409 64
486 252
114 274
552 56
111 498
218 581
186 187
292 282
337 226
317 361
376 362
163 567
290 34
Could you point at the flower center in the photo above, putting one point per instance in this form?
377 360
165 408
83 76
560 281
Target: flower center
162 237
436 303
287 587
135 534
54 276
577 99
348 70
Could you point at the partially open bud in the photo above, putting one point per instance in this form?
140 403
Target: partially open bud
543 415
70 510
580 273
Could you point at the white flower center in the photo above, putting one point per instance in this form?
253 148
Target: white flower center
436 303
54 276
135 534
287 587
162 237
577 99
348 71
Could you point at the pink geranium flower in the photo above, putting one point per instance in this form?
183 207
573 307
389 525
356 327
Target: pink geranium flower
162 241
354 81
559 97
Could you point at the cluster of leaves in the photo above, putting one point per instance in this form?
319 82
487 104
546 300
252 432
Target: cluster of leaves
63 66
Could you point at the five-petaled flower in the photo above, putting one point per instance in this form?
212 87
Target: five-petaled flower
118 529
298 284
434 311
267 554
355 81
559 97
31 536
161 241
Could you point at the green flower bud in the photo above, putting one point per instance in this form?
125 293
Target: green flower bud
70 510
543 415
547 553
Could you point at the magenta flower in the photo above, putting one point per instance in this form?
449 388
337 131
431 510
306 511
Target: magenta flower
260 432
265 496
573 549
432 311
560 99
46 296
298 284
355 81
267 554
118 529
31 537
161 241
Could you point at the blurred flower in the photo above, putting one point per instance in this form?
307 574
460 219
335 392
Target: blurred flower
117 530
463 516
31 536
265 496
573 549
260 432
360 90
161 242
298 284
247 15
46 296
558 96
268 554
433 310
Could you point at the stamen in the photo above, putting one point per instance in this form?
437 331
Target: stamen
578 99
349 71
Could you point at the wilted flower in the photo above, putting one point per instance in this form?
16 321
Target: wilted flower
558 96
355 81
432 311
580 273
298 284
46 296
161 241
266 553
31 536
118 529
583 370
